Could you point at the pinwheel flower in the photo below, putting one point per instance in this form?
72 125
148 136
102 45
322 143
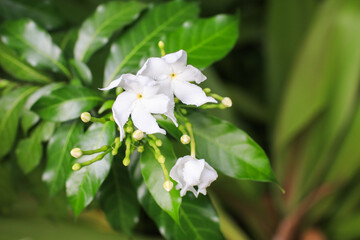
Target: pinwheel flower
140 99
189 172
175 77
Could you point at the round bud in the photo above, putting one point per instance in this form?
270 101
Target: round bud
140 149
158 143
138 135
183 111
161 159
129 129
76 152
185 139
112 118
85 117
76 167
126 162
226 102
161 44
168 185
207 90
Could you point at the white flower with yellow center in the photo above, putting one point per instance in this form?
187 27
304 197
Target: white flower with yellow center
189 172
140 99
175 77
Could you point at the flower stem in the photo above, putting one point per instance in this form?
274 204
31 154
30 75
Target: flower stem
102 149
97 158
192 142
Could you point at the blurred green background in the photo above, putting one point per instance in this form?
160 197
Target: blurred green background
294 80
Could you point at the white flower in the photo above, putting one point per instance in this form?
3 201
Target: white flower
140 99
175 76
189 172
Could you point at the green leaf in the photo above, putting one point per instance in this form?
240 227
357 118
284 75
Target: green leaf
96 31
28 119
154 178
34 45
11 106
198 219
59 160
118 199
19 69
107 105
42 12
82 185
46 90
227 148
205 40
28 153
130 49
81 71
44 130
66 103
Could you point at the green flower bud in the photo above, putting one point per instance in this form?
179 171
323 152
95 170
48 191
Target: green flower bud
76 152
85 117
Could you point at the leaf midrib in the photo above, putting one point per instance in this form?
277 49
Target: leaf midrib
81 99
144 41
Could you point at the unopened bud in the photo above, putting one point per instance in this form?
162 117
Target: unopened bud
126 161
76 167
161 159
112 118
138 135
85 117
129 129
161 44
140 149
158 143
207 90
168 185
227 102
76 152
183 111
185 139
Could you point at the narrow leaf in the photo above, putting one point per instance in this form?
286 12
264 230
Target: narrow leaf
205 40
66 103
34 45
11 106
28 153
96 31
82 185
58 165
129 50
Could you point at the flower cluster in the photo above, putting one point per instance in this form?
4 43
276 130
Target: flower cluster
155 90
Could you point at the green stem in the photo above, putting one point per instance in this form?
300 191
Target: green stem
102 149
97 158
100 120
192 142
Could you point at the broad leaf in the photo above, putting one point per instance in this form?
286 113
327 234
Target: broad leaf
11 106
154 178
227 148
66 103
82 185
34 45
129 50
204 40
28 153
42 12
59 160
19 69
81 71
46 90
96 31
28 119
198 219
118 199
106 105
44 130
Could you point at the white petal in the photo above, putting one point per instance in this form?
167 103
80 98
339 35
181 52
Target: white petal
158 104
176 172
192 171
177 60
207 177
190 94
144 121
138 83
118 82
122 108
157 69
190 74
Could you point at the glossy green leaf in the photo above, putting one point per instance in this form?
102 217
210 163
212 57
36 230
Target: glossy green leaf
34 45
205 40
59 160
11 105
154 178
227 148
130 49
118 199
42 12
45 90
107 105
96 31
28 153
82 185
44 130
28 119
198 219
81 71
66 103
19 69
